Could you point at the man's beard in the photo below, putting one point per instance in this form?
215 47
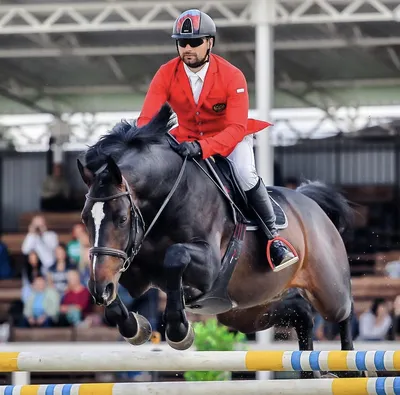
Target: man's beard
194 62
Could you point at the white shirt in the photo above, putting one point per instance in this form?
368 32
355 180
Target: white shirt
196 80
44 246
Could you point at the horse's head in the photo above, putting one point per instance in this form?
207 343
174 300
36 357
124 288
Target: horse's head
111 213
115 228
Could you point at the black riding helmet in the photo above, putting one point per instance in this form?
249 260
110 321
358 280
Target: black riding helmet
194 24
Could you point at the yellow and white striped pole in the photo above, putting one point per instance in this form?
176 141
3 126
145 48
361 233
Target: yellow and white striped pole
357 386
234 361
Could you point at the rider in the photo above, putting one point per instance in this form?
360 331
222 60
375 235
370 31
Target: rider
210 98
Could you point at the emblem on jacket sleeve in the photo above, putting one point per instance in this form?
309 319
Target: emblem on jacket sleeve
219 107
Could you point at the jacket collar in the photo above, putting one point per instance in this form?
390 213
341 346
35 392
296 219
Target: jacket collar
208 82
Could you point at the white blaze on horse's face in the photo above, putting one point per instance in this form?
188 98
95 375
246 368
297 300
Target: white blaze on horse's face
98 216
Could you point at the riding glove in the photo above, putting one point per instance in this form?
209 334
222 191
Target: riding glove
189 149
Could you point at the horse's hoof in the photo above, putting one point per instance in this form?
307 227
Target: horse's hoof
185 343
144 331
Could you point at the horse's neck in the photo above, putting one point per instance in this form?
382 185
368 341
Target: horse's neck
194 194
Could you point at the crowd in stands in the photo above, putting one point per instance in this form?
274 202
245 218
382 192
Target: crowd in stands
54 278
54 282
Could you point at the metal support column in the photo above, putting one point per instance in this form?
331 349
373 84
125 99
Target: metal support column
264 78
263 17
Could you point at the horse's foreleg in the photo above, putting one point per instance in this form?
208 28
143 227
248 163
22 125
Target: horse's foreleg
178 331
135 328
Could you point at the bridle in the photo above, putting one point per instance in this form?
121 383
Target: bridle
137 232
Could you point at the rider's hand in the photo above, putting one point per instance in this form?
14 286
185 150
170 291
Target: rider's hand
189 149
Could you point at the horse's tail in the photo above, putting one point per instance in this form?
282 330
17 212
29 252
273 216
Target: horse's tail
332 202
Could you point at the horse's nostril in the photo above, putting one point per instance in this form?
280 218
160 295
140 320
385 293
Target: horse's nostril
108 291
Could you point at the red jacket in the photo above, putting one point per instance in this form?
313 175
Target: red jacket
220 119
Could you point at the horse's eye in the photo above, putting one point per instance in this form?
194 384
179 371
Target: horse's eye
123 219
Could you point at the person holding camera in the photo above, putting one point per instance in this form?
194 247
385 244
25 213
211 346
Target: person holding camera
42 241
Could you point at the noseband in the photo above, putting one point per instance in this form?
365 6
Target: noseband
137 232
137 224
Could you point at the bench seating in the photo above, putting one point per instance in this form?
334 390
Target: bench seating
370 287
366 289
69 334
59 222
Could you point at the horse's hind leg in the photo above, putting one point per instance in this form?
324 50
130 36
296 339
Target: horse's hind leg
332 299
346 339
297 313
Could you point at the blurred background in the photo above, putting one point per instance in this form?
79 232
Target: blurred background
325 72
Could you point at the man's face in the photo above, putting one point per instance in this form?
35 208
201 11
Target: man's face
192 51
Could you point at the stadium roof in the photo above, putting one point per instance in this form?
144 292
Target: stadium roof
96 56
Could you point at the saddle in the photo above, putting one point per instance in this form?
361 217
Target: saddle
217 300
223 173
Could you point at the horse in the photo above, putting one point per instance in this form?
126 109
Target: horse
156 219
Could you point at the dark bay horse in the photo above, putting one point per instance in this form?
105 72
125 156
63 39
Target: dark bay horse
156 220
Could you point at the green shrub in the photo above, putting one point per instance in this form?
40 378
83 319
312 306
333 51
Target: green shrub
212 336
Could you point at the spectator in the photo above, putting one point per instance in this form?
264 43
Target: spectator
31 270
396 318
392 268
147 306
76 303
42 241
375 323
55 191
42 304
32 267
84 262
326 330
57 274
6 271
74 246
95 318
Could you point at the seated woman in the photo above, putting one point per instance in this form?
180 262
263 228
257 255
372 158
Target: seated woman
76 302
42 305
31 270
376 322
57 274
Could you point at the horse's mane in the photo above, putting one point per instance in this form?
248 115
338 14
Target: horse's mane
125 135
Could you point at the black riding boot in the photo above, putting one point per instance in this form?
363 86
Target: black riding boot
259 200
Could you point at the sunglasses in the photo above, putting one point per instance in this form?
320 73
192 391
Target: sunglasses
193 42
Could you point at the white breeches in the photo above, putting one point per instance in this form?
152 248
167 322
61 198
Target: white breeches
242 158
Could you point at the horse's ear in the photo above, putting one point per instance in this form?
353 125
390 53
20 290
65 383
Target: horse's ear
86 174
114 170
